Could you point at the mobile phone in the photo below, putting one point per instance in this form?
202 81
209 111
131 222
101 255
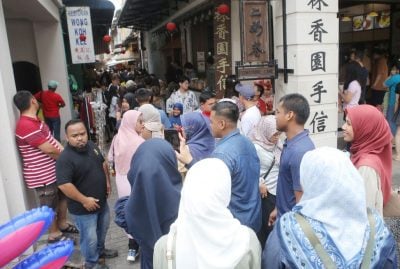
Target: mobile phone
171 135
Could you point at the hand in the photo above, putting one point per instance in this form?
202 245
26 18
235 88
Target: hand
90 204
272 217
263 190
184 155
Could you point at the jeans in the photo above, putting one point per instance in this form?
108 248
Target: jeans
92 231
54 126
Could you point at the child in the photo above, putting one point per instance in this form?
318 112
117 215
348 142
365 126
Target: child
175 118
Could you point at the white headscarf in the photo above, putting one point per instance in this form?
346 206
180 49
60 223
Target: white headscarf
263 133
152 120
207 234
333 194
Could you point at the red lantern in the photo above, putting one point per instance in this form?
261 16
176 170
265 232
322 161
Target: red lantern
106 38
107 51
223 9
82 37
171 26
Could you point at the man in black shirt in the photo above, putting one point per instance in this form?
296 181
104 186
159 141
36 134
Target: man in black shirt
82 175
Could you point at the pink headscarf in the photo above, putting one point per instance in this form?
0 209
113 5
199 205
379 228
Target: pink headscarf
263 133
125 142
372 145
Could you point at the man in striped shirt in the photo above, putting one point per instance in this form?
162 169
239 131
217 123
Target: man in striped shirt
39 150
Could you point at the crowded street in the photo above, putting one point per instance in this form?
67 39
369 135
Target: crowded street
204 134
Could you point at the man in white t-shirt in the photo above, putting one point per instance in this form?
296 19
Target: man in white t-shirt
251 116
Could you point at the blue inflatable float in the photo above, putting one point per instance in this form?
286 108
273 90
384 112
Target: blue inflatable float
52 257
17 235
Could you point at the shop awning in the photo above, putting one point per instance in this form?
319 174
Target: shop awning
349 3
144 14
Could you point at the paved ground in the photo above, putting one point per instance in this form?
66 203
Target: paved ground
116 238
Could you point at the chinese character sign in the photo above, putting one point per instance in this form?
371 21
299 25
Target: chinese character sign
79 24
255 32
222 48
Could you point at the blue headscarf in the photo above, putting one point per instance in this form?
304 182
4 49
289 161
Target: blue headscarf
156 184
176 120
198 135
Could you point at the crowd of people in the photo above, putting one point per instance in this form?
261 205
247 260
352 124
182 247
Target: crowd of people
241 185
373 80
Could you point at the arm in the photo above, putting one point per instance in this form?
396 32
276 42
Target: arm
346 96
378 78
59 145
105 168
245 127
50 150
169 104
195 102
372 186
89 203
184 155
298 195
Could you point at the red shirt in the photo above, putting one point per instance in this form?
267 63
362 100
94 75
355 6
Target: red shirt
39 169
51 103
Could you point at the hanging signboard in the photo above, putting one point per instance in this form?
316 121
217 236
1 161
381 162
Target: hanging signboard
253 72
80 35
255 31
255 42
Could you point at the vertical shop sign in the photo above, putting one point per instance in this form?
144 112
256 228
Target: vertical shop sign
222 46
79 23
318 123
255 32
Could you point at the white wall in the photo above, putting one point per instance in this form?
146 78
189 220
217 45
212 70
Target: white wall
39 43
300 46
12 191
235 36
22 41
52 63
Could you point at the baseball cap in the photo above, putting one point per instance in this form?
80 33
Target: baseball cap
245 90
52 84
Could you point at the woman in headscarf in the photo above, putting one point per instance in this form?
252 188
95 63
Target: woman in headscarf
153 127
153 203
175 118
198 136
371 152
330 226
206 235
123 146
269 148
